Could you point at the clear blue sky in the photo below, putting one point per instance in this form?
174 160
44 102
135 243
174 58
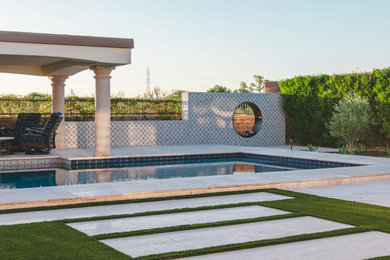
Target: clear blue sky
195 44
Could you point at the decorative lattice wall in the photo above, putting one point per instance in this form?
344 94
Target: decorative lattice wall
207 119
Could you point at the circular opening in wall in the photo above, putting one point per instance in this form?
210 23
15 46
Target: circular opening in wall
247 119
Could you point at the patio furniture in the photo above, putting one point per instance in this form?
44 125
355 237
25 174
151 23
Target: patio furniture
24 121
41 141
7 144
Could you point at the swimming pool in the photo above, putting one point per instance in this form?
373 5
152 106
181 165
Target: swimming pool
148 168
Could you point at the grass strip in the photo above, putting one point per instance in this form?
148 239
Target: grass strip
386 257
253 244
51 240
193 226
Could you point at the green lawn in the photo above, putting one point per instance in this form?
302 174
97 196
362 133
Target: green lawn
51 240
55 240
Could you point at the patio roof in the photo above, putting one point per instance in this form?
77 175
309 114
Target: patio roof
53 54
60 56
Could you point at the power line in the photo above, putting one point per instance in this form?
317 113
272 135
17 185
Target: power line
70 80
198 78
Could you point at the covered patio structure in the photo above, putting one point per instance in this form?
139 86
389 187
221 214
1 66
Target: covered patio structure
60 56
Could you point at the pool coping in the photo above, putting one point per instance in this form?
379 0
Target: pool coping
198 191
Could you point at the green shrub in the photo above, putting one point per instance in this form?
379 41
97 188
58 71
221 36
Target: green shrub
83 108
381 87
360 148
351 120
311 148
308 116
343 149
308 102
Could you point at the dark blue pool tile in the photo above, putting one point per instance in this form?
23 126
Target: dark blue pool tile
201 158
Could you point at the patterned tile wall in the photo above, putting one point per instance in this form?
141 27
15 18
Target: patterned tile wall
29 163
207 119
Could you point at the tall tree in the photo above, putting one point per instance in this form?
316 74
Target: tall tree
351 120
258 85
220 89
175 95
156 93
244 88
252 87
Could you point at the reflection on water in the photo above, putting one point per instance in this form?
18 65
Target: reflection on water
64 177
18 180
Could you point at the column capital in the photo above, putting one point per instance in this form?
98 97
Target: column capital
102 71
58 80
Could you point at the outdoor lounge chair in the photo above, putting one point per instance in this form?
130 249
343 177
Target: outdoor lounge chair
37 140
24 121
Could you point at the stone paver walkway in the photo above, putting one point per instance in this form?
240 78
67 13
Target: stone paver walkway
175 219
376 193
131 208
208 237
355 246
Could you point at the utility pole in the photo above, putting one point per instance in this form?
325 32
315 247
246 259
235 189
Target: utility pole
147 80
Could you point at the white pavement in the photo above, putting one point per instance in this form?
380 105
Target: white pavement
208 237
84 153
175 219
376 193
355 246
131 208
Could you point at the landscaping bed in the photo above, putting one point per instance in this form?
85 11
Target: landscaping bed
374 153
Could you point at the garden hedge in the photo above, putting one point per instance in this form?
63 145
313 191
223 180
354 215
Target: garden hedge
308 102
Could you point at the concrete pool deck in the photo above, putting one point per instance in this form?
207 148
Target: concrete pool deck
371 169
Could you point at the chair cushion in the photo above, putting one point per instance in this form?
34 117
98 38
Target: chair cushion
27 120
34 139
50 124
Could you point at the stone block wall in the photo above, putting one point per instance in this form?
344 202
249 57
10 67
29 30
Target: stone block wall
207 119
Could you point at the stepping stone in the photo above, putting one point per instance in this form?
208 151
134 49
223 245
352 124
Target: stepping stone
208 237
355 246
176 219
131 208
376 193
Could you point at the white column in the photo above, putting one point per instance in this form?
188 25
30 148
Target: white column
103 110
58 105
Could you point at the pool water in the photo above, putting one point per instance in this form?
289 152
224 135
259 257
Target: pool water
30 179
58 177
